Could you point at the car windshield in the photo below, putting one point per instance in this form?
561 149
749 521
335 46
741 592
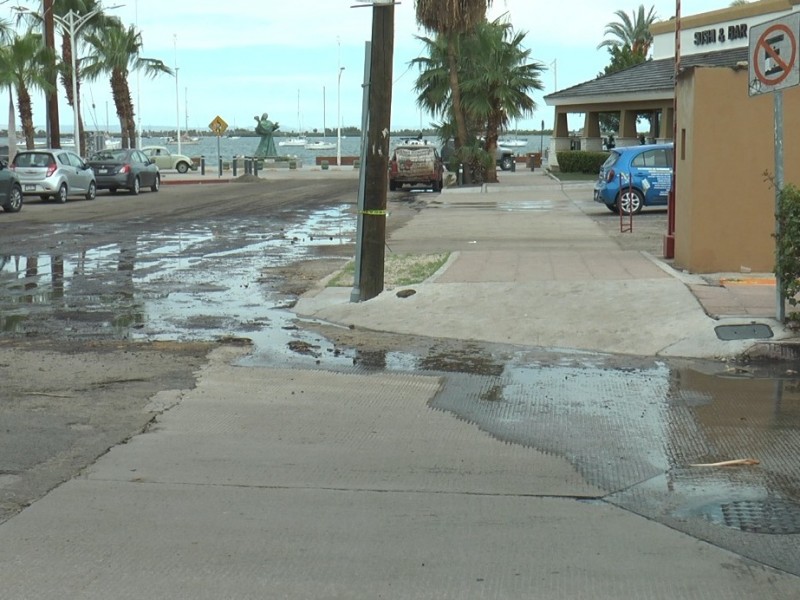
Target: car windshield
110 155
32 159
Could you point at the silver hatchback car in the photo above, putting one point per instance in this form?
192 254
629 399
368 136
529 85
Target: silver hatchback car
54 173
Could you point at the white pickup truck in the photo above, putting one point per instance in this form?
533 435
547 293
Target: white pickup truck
416 164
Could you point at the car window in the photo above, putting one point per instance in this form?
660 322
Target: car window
63 159
74 160
611 160
652 159
140 157
32 159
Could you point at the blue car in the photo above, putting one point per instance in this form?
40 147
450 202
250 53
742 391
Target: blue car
634 177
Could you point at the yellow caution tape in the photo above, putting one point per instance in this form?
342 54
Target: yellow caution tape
376 213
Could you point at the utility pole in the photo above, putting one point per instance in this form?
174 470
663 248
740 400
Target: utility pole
53 126
377 151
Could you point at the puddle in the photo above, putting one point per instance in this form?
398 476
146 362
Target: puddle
198 281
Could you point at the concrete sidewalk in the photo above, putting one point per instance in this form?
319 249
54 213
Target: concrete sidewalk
529 266
286 483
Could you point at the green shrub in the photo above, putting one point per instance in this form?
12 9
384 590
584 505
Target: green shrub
579 161
787 246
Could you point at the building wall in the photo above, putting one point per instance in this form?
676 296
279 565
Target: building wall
724 215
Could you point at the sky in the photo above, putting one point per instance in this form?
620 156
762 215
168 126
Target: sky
242 59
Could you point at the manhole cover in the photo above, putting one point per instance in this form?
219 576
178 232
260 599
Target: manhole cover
743 332
756 516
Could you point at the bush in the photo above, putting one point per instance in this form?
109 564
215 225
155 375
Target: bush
787 247
579 161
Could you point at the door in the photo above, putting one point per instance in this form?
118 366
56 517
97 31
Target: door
79 175
652 171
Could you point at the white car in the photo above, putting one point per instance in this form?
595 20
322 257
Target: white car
167 160
54 173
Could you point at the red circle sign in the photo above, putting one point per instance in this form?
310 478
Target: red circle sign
785 66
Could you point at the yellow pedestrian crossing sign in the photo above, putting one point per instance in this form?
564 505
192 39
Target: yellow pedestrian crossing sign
218 125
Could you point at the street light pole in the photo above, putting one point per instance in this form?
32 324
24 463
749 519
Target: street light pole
339 119
72 23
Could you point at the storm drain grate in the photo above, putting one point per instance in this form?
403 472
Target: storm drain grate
756 516
749 331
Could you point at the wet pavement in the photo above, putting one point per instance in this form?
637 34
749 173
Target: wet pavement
630 426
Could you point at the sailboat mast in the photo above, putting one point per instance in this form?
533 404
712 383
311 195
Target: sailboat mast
324 124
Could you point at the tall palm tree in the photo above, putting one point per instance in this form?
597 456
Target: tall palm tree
496 75
114 52
450 19
633 30
499 78
21 64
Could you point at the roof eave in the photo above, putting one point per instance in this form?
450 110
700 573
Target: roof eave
665 94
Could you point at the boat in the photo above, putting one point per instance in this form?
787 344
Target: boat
185 139
320 145
298 140
512 143
293 141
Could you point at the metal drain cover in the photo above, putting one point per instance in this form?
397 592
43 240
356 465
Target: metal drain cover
748 331
770 516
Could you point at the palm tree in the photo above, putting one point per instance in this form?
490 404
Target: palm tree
115 51
21 64
496 75
450 19
499 78
633 31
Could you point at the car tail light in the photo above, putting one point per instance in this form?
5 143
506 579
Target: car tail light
610 176
51 168
393 167
125 169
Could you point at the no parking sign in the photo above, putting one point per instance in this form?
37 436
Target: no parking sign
773 54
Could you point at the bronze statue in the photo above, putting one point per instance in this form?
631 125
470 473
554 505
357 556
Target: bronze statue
264 128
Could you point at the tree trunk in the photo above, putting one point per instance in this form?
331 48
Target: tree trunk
25 115
455 90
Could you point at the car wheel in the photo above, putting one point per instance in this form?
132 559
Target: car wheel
156 184
506 163
136 187
630 200
14 200
61 196
182 167
437 185
112 191
91 193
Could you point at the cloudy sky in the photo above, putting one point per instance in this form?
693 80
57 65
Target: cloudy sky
239 59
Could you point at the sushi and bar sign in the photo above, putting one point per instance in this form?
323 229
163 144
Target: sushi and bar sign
719 35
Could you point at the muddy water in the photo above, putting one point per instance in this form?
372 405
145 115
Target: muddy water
633 427
197 281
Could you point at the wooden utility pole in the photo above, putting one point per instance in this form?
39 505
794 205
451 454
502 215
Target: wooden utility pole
377 151
53 126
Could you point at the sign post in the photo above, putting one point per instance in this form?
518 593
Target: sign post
218 126
773 67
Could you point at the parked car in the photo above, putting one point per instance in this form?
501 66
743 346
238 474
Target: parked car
10 189
167 160
54 173
635 176
503 157
128 169
416 164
